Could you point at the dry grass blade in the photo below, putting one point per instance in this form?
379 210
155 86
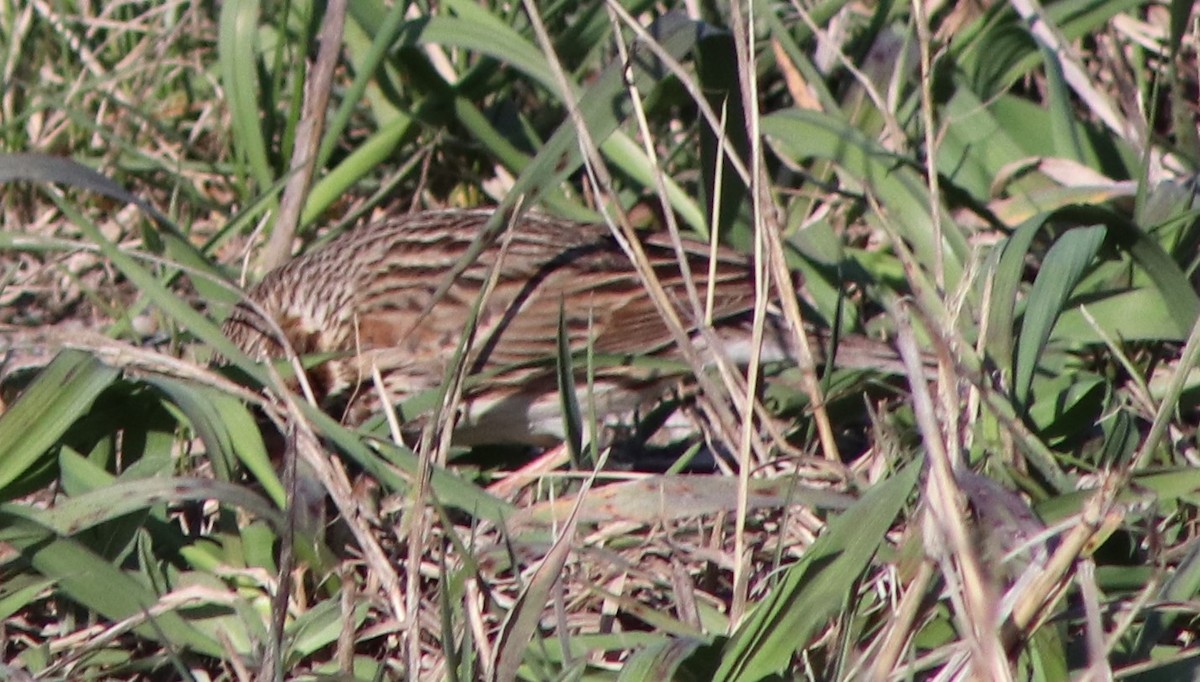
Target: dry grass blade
308 135
659 499
944 530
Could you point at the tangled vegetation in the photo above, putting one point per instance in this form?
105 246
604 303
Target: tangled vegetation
1004 191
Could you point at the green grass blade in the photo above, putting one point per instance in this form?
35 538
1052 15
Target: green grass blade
450 489
95 583
237 51
1060 272
802 135
603 107
814 589
366 157
227 429
62 392
118 498
569 401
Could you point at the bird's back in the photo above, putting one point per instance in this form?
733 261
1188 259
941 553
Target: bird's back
370 294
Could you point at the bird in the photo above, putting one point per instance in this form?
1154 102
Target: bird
378 298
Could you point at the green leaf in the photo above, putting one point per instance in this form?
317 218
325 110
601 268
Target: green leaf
93 582
569 402
321 625
676 658
449 487
1060 272
1182 585
1170 282
901 191
59 170
603 106
1153 321
815 588
20 591
237 53
227 429
1065 404
73 514
61 393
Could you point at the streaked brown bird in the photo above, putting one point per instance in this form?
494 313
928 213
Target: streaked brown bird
369 296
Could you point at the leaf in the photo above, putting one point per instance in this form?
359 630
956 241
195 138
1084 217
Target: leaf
569 402
1153 321
1181 585
802 135
227 429
603 106
679 659
449 487
814 589
1170 283
58 170
237 53
91 581
1060 272
73 514
61 393
54 169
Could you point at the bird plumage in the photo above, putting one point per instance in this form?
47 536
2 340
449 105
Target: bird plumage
371 295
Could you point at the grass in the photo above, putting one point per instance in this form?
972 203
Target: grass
1007 198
